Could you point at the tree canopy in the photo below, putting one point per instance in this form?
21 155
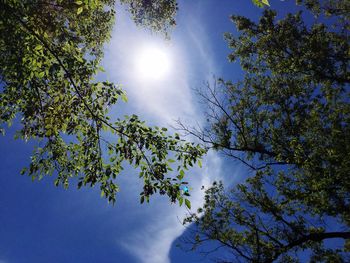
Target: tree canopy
288 120
49 54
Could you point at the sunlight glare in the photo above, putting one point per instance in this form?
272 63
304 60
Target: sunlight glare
152 63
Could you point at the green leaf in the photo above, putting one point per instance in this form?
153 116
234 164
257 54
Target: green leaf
258 3
124 97
57 182
79 59
188 203
266 2
38 47
181 174
80 9
181 200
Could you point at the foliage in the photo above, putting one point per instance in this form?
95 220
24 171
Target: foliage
261 3
258 225
340 9
288 120
49 54
159 15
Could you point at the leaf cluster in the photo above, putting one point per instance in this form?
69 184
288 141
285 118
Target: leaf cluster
158 15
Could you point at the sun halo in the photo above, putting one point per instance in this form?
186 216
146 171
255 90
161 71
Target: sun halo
152 63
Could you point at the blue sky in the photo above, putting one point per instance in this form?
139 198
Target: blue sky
42 223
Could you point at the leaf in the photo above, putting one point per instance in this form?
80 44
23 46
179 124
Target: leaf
181 200
80 9
266 2
181 175
38 47
257 3
188 203
79 59
100 68
57 182
199 163
124 97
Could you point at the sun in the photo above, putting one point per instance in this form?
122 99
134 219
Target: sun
152 62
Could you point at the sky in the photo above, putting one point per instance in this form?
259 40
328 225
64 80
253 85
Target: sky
42 223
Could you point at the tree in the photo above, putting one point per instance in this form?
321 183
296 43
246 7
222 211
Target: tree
49 54
288 120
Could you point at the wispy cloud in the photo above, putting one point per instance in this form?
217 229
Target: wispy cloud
163 102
